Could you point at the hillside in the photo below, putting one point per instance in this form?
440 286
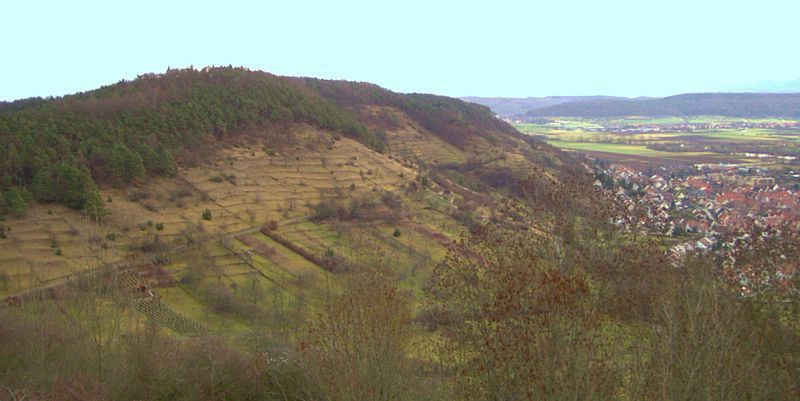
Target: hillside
122 175
745 105
226 234
123 133
512 106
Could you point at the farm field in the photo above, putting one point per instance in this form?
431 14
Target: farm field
667 140
620 148
640 155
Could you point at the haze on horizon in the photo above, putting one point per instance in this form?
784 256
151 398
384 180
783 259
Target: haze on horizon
510 49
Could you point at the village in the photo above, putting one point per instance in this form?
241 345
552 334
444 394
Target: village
709 205
712 207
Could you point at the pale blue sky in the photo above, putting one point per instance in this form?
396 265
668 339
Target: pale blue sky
456 48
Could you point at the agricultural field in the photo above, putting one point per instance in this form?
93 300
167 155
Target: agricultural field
672 140
639 150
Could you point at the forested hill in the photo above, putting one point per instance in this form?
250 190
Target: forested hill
786 105
512 106
60 149
453 120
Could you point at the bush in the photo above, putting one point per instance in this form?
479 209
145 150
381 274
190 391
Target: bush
328 209
424 181
183 192
152 245
396 232
15 201
138 195
392 201
159 226
220 298
272 225
206 214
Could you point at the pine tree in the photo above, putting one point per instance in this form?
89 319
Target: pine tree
14 202
126 165
95 207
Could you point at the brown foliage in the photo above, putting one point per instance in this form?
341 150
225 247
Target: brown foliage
528 328
356 347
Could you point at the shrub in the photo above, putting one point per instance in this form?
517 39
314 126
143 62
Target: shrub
138 195
206 214
424 181
179 193
392 201
220 298
396 232
152 245
217 178
328 209
150 206
159 226
272 225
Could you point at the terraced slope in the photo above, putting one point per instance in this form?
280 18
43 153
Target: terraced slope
233 230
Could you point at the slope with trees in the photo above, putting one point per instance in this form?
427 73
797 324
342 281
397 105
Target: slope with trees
746 105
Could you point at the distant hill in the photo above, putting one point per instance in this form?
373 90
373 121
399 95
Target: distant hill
786 105
512 106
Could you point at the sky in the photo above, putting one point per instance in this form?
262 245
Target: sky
453 48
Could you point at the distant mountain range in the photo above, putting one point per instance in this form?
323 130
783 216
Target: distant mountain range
512 106
752 105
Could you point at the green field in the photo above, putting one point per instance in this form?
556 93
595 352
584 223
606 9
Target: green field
702 145
638 150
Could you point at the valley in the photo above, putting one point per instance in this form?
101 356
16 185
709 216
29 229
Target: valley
676 140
